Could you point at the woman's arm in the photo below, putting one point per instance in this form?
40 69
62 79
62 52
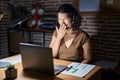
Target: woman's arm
55 42
55 45
86 53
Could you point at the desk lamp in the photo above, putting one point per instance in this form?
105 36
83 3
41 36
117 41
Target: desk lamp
2 14
17 16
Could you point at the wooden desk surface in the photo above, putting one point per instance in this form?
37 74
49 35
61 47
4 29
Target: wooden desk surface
93 75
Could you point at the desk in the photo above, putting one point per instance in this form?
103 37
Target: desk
29 30
93 75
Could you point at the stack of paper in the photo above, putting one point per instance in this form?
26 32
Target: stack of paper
78 69
12 60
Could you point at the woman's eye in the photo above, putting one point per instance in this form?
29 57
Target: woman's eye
59 19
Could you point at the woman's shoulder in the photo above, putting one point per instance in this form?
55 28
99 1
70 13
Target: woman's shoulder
83 36
81 32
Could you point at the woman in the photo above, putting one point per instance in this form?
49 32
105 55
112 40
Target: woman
68 41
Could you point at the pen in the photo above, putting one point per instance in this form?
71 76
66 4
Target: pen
69 68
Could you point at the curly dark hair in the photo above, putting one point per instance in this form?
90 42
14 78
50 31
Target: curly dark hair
72 13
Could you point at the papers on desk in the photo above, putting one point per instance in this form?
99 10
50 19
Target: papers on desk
78 69
12 60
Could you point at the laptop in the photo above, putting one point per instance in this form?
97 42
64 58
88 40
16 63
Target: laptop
40 59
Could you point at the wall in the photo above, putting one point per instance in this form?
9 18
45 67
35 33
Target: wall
104 32
6 22
3 33
104 29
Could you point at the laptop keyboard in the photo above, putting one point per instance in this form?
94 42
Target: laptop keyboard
59 68
55 70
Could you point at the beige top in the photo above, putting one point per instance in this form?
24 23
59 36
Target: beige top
75 51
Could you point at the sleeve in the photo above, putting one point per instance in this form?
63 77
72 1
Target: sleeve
85 38
55 33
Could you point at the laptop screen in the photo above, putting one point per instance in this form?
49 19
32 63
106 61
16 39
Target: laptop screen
38 58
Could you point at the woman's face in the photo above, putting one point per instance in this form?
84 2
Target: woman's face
63 18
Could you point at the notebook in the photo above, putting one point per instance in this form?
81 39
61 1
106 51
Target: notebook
40 59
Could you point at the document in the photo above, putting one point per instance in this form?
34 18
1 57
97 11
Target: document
12 60
78 69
